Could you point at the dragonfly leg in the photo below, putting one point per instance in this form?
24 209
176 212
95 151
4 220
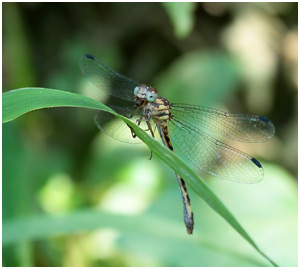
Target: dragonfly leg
152 133
138 122
132 132
150 128
133 113
130 117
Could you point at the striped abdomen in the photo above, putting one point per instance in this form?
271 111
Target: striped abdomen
187 208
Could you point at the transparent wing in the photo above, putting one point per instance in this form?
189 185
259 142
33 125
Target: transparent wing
106 79
116 128
239 127
213 156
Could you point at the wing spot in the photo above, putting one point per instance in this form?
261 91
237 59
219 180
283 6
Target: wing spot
264 119
89 56
256 162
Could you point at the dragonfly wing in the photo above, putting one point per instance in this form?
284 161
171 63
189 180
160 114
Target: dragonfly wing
238 127
107 79
212 155
116 128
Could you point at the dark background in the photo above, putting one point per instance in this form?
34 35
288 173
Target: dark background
59 171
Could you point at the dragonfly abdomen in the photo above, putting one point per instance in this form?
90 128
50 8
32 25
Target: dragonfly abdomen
167 137
187 208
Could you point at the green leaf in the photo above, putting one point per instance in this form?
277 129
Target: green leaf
181 15
18 44
18 102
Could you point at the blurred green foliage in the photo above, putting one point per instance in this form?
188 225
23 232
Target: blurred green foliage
59 169
182 16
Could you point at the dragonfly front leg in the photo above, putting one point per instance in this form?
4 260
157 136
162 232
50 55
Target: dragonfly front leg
133 113
130 117
138 122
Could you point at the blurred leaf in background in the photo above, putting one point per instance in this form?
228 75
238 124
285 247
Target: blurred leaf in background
182 17
240 57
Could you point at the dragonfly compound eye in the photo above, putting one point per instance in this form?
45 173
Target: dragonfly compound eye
151 96
136 90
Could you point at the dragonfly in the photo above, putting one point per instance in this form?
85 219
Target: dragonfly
190 129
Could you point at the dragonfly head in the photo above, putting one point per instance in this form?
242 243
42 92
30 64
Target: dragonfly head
145 93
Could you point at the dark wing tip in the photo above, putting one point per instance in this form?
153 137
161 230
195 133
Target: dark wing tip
256 162
89 56
264 119
268 124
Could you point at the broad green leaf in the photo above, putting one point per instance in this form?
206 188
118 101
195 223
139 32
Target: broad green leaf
18 102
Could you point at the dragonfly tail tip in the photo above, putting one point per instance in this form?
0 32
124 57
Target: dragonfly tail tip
189 230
